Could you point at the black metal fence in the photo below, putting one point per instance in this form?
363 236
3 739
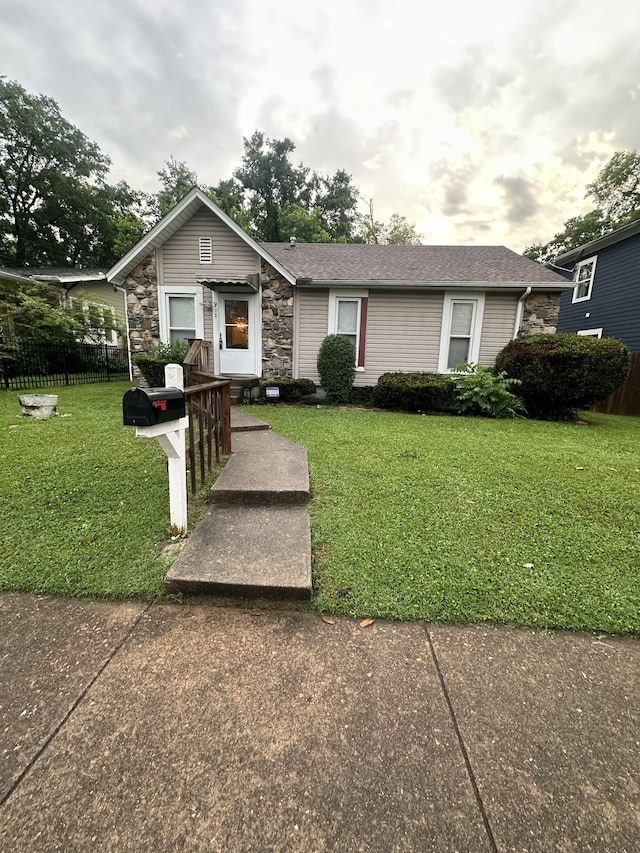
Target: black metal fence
24 364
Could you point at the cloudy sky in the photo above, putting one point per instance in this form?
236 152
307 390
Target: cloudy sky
479 120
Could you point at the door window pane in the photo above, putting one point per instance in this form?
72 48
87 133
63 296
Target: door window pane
236 321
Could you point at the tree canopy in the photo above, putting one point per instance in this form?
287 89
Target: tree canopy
272 199
56 208
616 192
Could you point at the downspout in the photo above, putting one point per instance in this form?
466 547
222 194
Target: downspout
520 312
126 323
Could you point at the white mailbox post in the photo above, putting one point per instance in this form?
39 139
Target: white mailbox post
171 438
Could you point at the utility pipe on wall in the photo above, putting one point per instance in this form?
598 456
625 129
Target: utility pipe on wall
520 311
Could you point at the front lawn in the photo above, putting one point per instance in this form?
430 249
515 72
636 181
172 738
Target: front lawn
85 504
473 520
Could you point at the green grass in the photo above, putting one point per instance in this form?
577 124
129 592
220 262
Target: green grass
85 504
473 520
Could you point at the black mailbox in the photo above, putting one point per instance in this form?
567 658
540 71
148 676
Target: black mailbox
150 406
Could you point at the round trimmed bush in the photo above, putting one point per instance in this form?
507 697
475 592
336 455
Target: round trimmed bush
337 368
564 372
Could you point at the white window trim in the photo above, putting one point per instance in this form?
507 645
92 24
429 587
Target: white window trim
205 246
164 293
349 295
590 333
476 326
576 272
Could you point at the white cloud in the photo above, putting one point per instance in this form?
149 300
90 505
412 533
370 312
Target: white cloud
481 123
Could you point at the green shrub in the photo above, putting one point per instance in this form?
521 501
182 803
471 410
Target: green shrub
481 392
564 372
362 395
291 390
152 363
415 392
337 368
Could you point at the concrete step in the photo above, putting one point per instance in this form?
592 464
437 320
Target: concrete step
242 422
252 552
266 469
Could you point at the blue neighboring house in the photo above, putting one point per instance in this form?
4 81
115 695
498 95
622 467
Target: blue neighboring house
605 300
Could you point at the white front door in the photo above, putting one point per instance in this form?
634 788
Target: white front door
239 333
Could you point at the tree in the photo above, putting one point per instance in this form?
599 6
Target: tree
402 233
176 179
336 200
229 196
577 231
271 182
272 199
617 188
55 205
616 191
398 231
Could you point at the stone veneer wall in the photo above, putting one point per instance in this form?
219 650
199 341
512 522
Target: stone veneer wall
277 324
142 307
540 314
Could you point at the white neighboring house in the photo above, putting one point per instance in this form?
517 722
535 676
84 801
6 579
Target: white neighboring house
91 284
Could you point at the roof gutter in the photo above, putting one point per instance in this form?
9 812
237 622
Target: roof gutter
520 312
437 285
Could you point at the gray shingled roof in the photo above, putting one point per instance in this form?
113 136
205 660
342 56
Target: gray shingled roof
367 263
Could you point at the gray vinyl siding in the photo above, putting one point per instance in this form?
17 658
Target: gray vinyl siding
403 333
497 326
313 320
232 258
614 306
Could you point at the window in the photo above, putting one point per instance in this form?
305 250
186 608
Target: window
461 328
181 315
583 277
102 321
348 317
206 250
590 333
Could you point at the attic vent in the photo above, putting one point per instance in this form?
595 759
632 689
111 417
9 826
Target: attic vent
206 250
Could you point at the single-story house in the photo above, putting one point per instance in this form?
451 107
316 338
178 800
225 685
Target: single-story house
267 307
605 298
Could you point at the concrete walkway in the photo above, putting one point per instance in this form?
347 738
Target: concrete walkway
126 727
255 540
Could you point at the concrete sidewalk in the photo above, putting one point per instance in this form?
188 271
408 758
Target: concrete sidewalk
133 727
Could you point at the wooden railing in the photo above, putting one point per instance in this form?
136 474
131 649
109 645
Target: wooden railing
197 362
209 410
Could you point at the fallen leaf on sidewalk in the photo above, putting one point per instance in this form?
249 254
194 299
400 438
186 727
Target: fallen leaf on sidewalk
328 620
366 622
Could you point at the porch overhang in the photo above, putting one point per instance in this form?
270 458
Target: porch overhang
251 281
